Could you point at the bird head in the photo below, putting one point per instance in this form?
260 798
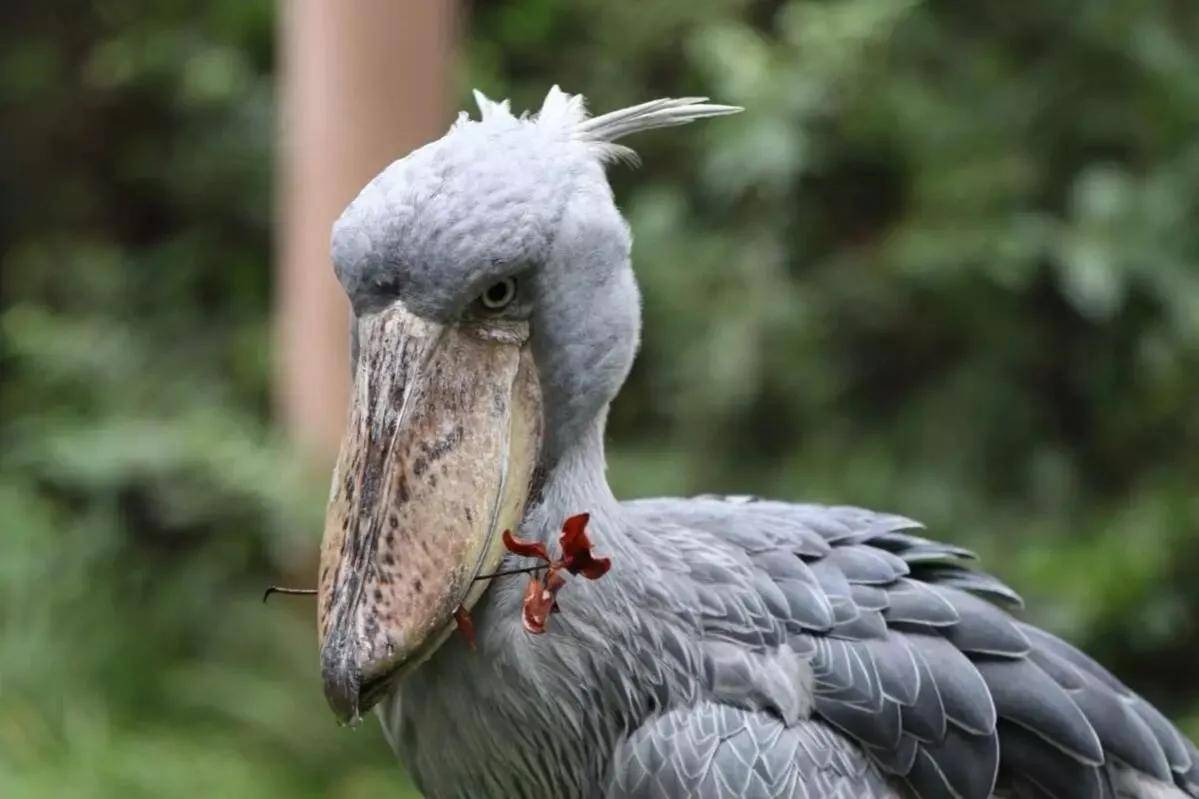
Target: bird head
495 316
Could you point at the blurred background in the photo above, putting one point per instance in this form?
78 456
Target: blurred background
947 264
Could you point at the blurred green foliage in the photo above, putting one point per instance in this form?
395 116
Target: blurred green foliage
947 263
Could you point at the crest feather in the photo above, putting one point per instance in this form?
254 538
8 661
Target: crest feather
601 132
566 115
489 109
663 113
561 110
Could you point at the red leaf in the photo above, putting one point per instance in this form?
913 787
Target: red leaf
540 600
576 549
465 625
530 549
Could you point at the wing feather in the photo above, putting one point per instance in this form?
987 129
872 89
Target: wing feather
720 752
963 764
913 655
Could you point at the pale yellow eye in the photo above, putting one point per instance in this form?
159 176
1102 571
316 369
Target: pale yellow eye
499 295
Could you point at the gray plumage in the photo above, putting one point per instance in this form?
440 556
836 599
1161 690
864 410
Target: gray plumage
690 674
738 647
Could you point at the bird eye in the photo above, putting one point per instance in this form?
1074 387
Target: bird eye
499 295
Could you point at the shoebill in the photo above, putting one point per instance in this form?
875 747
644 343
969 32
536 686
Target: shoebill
737 647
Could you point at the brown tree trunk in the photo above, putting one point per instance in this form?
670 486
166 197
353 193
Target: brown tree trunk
363 83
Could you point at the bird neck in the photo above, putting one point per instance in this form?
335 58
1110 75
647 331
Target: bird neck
576 482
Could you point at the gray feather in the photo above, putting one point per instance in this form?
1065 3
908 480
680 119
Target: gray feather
1026 696
1121 732
982 629
1045 770
1177 753
880 728
1062 672
962 765
718 752
896 760
955 576
869 597
861 564
866 624
964 694
845 672
899 674
925 717
832 581
1057 646
807 605
914 602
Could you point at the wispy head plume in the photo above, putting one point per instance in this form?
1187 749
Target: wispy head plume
489 109
601 132
566 115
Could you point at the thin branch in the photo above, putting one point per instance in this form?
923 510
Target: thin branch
278 589
527 570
